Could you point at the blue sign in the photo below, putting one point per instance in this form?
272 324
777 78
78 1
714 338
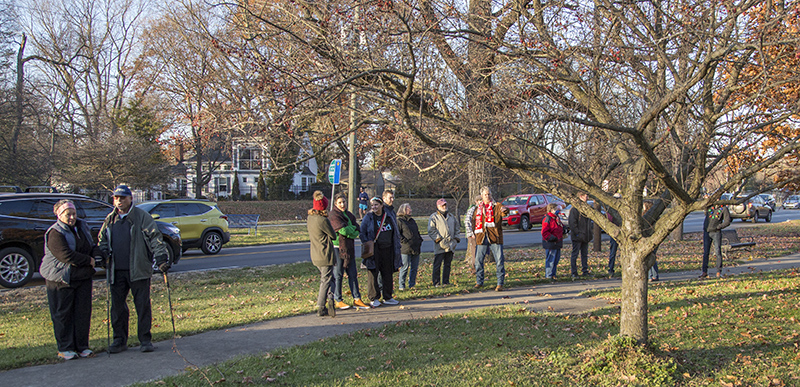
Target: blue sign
335 171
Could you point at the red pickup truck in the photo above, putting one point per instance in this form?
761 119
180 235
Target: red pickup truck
528 209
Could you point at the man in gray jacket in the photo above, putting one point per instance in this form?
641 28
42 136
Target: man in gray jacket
443 229
130 239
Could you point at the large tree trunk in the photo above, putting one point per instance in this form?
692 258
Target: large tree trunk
633 314
480 175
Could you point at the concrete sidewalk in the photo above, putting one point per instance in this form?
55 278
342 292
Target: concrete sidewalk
211 347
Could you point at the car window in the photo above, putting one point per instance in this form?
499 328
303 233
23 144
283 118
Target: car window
165 210
20 208
188 209
43 209
553 198
93 209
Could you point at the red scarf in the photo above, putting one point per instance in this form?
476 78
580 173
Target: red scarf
484 214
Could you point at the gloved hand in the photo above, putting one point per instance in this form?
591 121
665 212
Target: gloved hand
99 262
164 267
552 238
458 240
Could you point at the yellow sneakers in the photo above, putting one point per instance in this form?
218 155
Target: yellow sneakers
342 305
360 304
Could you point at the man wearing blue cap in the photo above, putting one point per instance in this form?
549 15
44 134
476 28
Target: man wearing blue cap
130 238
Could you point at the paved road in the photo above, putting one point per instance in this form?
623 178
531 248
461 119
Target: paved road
298 252
233 257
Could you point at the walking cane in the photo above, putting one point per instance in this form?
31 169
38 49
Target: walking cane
108 310
174 335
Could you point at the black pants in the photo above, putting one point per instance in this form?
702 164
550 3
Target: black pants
438 259
581 248
119 307
384 262
71 312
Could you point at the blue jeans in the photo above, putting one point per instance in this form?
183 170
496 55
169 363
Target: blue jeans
653 272
612 255
706 250
499 259
551 258
338 276
409 270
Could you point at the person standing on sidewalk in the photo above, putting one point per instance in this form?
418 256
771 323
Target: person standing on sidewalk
552 240
68 267
718 218
321 236
381 228
130 237
346 228
410 246
443 229
363 203
615 218
580 227
488 229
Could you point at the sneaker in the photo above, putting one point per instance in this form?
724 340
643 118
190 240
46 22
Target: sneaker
322 312
375 304
478 286
68 355
704 275
147 347
360 304
331 307
499 288
391 301
117 347
654 279
341 305
402 288
86 353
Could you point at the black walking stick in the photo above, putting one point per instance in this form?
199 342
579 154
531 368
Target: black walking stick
174 333
108 311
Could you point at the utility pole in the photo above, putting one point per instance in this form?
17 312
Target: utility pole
352 191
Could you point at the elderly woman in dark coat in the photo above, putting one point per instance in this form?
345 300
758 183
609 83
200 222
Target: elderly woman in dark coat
321 236
68 267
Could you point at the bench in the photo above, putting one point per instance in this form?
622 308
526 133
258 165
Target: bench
243 221
731 242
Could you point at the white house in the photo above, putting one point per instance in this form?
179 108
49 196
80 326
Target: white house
248 159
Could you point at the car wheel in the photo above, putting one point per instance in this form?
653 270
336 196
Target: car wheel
212 243
755 217
16 267
170 253
769 217
524 223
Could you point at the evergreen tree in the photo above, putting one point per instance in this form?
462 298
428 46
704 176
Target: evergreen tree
262 186
235 190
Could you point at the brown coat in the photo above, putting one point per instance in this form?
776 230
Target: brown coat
321 235
495 233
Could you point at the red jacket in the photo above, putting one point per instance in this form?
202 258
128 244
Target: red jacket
551 226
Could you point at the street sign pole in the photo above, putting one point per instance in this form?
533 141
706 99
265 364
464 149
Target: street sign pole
334 175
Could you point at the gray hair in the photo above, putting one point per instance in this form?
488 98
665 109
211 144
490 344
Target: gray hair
404 209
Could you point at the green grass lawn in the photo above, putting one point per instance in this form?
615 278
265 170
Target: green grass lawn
224 298
741 331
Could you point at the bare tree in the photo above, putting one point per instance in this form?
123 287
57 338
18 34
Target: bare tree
535 87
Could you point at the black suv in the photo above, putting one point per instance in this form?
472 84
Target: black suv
24 217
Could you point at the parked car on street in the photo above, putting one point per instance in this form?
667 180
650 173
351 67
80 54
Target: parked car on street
528 209
24 218
769 200
751 209
201 222
792 202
